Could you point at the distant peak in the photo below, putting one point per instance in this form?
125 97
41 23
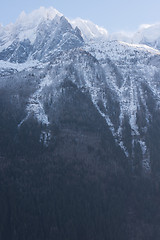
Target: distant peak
89 29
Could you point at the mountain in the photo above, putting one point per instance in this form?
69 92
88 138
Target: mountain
89 30
29 38
79 131
148 34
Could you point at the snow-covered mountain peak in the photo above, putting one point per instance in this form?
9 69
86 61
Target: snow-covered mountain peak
147 33
26 25
89 30
38 15
30 22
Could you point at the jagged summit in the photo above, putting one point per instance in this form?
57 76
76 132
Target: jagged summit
38 15
27 24
36 35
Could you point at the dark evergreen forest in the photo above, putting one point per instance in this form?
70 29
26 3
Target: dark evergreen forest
79 186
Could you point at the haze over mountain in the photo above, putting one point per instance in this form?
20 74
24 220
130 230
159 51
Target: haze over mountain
79 130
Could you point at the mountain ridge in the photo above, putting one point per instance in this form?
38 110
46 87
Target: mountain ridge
147 34
110 78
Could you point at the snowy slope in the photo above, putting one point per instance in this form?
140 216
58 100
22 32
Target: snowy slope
128 67
89 30
121 78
